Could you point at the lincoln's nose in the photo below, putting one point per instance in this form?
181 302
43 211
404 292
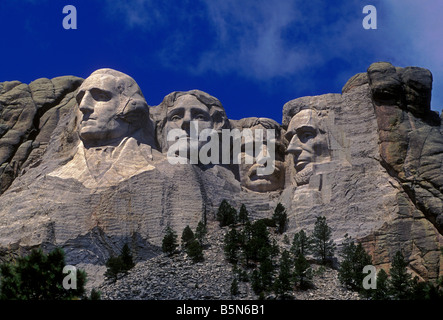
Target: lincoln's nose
294 147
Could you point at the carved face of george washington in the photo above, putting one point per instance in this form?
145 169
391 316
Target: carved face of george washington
112 107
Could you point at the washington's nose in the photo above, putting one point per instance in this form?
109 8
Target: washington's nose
85 105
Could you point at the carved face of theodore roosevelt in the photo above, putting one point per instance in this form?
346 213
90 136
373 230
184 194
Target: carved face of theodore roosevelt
248 172
112 108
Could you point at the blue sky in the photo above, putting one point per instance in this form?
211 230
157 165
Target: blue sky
253 55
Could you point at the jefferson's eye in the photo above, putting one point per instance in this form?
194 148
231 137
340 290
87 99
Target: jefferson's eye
175 117
200 117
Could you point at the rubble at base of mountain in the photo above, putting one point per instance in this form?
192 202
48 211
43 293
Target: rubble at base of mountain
178 278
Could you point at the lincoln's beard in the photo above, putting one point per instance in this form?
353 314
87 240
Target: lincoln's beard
304 175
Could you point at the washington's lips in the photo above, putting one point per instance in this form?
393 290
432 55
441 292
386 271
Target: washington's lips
87 119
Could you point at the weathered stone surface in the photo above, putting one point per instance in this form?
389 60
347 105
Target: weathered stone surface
374 167
30 114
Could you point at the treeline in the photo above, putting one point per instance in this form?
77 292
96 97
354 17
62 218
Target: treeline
257 258
191 242
41 276
398 285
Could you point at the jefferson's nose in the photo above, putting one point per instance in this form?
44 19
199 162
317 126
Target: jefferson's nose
85 105
186 122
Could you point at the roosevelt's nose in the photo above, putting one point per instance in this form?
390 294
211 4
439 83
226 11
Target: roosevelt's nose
86 105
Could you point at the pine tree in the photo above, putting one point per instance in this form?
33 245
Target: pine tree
114 266
169 243
226 214
256 282
400 282
126 257
262 278
234 287
284 284
259 244
301 244
322 246
354 260
245 238
274 249
231 246
382 290
95 294
266 270
280 218
187 237
195 251
119 264
243 215
302 272
200 232
39 276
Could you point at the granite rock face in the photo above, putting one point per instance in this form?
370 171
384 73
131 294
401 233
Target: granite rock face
28 116
369 159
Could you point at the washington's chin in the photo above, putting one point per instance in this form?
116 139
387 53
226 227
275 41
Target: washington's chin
88 133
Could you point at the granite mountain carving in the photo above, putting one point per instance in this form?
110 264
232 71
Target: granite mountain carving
83 166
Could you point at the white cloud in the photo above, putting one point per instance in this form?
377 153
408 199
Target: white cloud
252 39
137 13
416 29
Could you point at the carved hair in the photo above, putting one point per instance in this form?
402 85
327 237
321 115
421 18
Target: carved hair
216 110
133 107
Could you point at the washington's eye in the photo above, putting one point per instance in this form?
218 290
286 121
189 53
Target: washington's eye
289 136
79 96
100 95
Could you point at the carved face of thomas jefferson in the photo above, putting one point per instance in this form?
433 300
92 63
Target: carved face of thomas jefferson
188 108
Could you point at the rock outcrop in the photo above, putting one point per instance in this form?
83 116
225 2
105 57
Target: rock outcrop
369 159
